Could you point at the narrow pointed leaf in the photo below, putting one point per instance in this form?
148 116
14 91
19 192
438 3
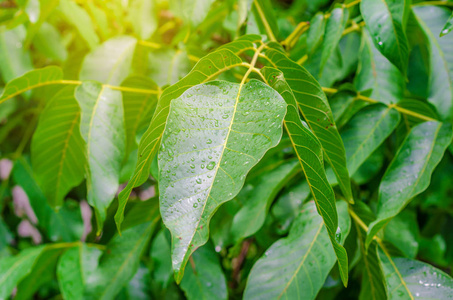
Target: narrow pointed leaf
376 73
366 131
30 80
249 219
410 279
13 269
216 132
296 267
313 104
206 69
57 149
204 278
111 62
102 128
409 173
309 153
440 87
386 21
448 26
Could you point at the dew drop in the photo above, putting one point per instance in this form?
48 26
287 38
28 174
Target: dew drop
192 166
198 180
209 141
195 205
210 165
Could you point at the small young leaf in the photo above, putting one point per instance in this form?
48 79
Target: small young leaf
215 133
410 171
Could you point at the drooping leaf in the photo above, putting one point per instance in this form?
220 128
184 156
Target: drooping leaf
74 267
410 279
215 133
32 79
312 102
448 26
120 261
309 153
386 22
80 19
366 131
410 171
102 128
206 69
376 73
110 62
13 269
57 149
249 219
204 278
440 87
296 267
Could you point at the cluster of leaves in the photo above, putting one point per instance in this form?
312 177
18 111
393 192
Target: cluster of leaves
201 136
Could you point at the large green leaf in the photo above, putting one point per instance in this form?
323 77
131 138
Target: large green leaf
376 73
386 21
249 219
315 108
296 267
206 69
410 171
215 133
204 278
410 279
30 80
57 149
309 153
13 269
120 261
74 267
110 62
80 19
440 88
102 128
366 131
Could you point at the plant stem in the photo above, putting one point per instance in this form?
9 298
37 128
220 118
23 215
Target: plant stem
149 44
395 106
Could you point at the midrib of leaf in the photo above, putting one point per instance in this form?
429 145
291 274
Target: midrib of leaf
11 269
303 259
365 259
403 283
394 30
252 65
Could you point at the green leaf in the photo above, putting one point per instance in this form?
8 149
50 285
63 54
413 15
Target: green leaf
309 153
110 62
102 128
366 131
410 171
143 17
249 219
80 19
206 69
204 277
376 73
448 26
372 277
43 272
386 22
13 269
440 87
295 267
265 17
410 279
74 267
160 254
48 41
192 12
402 232
30 80
57 149
38 15
14 59
335 26
315 32
215 133
173 65
120 261
312 102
